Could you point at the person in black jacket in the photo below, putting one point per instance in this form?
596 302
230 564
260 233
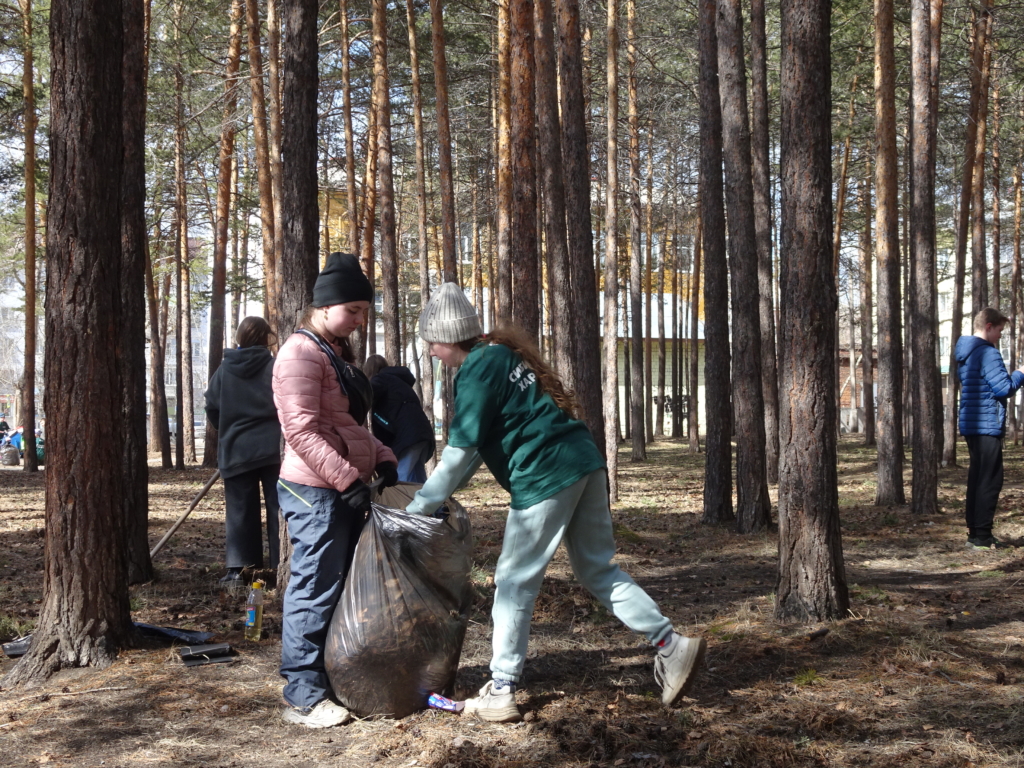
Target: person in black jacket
240 404
398 419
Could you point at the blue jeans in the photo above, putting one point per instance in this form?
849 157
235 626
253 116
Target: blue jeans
412 463
323 530
581 516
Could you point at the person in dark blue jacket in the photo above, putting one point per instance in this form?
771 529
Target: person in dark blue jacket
398 419
240 404
985 387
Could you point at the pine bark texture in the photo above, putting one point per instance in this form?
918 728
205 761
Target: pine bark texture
887 245
503 215
812 582
85 616
761 167
444 142
385 172
979 267
924 372
636 327
580 239
225 161
131 340
867 328
28 390
717 356
753 505
526 288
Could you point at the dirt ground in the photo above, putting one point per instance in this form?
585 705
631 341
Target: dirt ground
927 670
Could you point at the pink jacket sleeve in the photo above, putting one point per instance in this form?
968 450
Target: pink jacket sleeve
298 389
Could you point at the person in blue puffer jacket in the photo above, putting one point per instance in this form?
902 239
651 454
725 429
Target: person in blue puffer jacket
985 387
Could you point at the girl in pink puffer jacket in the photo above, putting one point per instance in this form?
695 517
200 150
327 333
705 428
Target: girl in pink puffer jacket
329 457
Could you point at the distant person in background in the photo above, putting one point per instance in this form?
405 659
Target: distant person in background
240 404
984 388
4 426
398 419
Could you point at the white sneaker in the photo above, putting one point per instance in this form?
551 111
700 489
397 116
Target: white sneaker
494 707
324 714
677 671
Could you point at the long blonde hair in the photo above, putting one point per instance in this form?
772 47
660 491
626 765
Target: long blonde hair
516 339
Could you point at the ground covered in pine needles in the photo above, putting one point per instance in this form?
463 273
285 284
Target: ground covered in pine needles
927 670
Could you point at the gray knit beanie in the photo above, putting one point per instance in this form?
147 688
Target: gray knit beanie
449 317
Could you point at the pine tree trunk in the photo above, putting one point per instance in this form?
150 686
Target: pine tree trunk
611 261
444 141
1015 290
84 617
553 182
28 391
159 429
263 170
996 268
659 421
761 167
753 511
422 242
131 338
274 123
504 172
526 293
924 372
717 363
364 339
636 362
580 240
350 150
867 333
979 271
388 239
812 583
890 327
218 285
648 291
693 406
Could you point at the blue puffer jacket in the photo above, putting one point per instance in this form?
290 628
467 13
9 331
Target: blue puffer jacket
984 387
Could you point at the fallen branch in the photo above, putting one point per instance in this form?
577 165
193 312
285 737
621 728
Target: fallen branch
71 693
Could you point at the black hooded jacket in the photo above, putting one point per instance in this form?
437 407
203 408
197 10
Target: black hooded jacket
240 404
398 418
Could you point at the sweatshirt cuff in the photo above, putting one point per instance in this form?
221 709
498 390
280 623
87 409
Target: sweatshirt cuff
455 469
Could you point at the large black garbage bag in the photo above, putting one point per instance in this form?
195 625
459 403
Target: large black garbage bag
397 633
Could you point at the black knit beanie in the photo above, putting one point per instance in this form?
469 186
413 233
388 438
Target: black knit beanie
341 281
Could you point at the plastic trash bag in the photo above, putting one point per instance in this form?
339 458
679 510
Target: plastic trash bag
397 633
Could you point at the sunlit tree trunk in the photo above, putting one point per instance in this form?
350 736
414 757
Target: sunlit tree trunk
84 616
422 242
274 124
350 150
218 285
503 212
444 141
388 241
262 145
693 409
995 194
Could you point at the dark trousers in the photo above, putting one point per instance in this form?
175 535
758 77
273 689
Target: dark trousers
243 517
323 530
984 482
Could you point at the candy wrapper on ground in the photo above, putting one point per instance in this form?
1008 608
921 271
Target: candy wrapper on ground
398 631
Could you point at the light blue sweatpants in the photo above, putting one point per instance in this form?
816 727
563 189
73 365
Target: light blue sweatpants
581 516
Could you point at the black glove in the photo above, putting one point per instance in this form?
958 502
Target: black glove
388 474
357 496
